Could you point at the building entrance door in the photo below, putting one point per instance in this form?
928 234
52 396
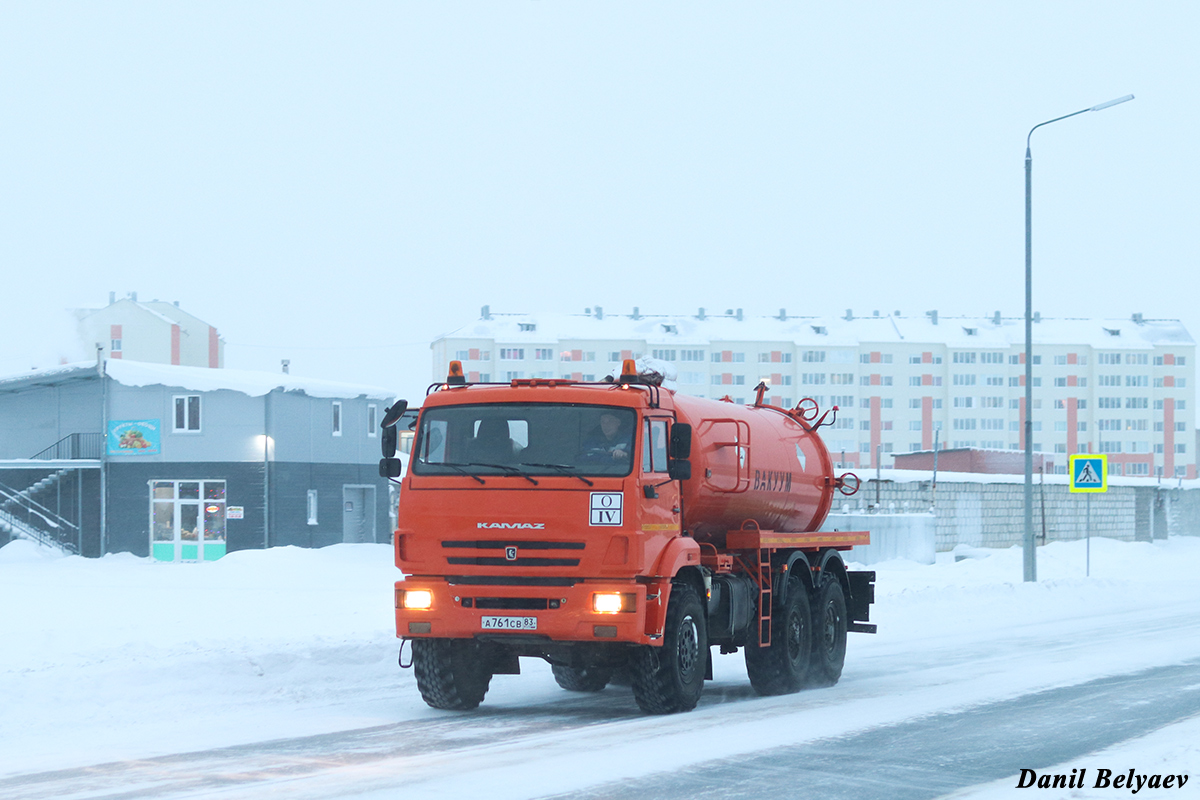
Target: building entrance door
187 520
358 514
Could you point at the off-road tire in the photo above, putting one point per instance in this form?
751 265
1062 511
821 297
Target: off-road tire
585 679
784 666
452 674
829 632
670 678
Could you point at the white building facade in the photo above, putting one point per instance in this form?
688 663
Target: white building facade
1121 387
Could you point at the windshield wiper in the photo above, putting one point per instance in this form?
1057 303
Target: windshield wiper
563 468
459 467
511 470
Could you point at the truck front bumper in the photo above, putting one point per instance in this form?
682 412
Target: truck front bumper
555 613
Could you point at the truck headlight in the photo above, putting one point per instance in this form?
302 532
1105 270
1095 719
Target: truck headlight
418 598
606 602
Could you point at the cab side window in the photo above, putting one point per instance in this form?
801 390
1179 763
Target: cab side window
654 446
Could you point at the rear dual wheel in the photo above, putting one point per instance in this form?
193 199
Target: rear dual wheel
829 641
783 666
582 679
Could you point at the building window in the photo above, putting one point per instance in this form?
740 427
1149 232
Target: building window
813 356
545 354
187 413
116 345
663 355
371 420
312 506
512 353
337 418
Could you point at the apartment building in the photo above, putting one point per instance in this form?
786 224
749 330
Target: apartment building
153 331
901 383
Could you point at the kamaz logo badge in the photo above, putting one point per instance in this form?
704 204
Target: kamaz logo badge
533 526
510 553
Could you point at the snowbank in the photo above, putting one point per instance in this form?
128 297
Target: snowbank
122 657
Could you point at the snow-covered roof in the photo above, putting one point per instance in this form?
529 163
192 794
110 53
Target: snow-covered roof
827 331
199 379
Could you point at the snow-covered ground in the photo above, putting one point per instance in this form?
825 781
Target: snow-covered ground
122 658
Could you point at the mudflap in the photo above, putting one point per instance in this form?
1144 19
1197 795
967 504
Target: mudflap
858 604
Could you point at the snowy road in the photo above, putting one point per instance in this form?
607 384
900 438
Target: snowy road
971 677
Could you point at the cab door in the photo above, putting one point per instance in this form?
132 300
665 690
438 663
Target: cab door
660 494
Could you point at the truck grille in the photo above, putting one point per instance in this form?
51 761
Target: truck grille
511 603
500 544
519 560
509 580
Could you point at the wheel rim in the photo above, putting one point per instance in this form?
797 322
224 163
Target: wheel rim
832 618
795 640
689 648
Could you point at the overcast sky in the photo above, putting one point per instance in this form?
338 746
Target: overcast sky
340 183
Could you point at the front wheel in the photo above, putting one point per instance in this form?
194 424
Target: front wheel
452 674
669 679
829 622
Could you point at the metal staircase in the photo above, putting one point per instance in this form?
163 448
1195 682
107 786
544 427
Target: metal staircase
73 445
44 483
23 517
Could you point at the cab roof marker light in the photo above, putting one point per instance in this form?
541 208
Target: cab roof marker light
629 372
456 377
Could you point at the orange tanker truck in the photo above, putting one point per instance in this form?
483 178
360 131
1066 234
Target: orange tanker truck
618 530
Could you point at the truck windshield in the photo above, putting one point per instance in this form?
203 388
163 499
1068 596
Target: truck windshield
536 438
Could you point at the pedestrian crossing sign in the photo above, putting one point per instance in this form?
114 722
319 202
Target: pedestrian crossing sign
1089 473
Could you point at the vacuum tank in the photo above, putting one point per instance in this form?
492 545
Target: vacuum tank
758 463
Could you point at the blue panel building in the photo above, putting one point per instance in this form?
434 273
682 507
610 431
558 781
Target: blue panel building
188 463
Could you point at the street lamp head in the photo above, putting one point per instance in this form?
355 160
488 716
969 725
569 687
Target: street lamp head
1112 103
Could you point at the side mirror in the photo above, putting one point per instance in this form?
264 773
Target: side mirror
389 468
681 440
680 469
390 437
393 414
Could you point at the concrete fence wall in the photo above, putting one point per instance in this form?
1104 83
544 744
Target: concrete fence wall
982 514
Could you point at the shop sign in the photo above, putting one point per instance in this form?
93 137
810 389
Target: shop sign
139 437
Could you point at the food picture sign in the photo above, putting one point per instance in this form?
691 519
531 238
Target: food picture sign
138 437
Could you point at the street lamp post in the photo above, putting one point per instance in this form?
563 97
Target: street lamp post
1030 552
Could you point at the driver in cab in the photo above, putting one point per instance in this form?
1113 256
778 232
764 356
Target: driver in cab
609 440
